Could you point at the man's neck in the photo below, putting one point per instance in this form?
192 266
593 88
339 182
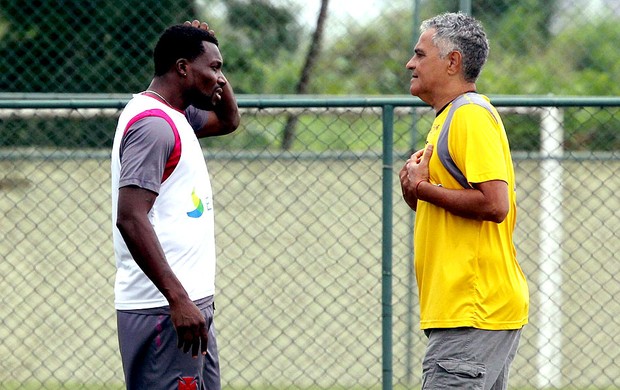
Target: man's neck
171 96
439 101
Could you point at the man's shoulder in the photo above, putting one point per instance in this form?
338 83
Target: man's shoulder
472 105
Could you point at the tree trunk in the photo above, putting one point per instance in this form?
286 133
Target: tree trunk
302 86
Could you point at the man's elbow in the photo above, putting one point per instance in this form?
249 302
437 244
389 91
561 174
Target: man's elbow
231 124
125 222
235 122
495 204
121 224
497 214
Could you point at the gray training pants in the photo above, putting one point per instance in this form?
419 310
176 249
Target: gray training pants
468 358
151 358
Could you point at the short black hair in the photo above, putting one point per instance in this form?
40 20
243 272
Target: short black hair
179 41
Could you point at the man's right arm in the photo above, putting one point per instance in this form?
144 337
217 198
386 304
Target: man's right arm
134 203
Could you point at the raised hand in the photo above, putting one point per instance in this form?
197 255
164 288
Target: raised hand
200 25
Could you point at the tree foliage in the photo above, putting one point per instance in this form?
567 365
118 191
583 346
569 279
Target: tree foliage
82 46
368 59
260 42
95 47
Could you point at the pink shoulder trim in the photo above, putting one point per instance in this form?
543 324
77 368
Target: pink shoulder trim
175 156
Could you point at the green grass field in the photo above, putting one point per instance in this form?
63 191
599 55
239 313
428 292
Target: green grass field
299 275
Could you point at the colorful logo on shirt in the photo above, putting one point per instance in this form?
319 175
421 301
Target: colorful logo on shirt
198 204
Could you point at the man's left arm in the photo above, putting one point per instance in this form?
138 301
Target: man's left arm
476 140
224 118
487 201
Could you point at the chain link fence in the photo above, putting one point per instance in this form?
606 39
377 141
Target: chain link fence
300 229
299 236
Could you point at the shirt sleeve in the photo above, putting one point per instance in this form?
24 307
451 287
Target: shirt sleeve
478 145
197 118
144 151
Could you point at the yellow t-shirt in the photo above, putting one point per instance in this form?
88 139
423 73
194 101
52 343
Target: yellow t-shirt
466 270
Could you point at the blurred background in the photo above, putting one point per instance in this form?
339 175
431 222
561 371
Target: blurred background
305 190
562 47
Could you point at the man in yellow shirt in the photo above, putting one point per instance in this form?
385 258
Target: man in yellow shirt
473 295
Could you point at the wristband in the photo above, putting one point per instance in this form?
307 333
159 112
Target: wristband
415 191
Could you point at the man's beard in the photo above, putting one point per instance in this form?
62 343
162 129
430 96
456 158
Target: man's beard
201 101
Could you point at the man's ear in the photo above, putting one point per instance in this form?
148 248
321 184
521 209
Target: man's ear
455 64
182 67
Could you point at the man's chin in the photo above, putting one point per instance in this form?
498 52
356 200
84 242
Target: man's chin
415 90
203 104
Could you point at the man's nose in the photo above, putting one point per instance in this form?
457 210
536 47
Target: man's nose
409 64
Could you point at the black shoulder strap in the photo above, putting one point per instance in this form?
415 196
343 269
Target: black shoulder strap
442 143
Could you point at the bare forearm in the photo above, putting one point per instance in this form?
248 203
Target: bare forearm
409 196
466 203
487 201
223 118
227 110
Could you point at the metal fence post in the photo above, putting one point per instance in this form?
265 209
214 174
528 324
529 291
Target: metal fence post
386 282
465 6
551 231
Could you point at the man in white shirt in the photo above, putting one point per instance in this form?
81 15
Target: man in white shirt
162 211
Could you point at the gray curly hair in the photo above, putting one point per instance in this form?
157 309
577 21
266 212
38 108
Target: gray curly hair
462 33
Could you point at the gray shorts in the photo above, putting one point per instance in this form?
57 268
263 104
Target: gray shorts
468 358
151 358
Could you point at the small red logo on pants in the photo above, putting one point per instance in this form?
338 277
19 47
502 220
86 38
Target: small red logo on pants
188 383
